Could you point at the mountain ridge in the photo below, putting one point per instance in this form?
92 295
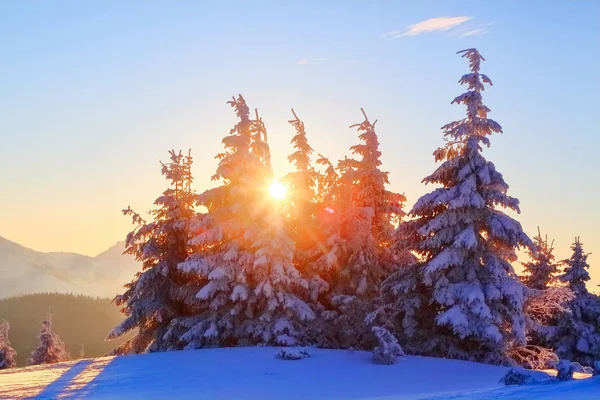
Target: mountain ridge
25 271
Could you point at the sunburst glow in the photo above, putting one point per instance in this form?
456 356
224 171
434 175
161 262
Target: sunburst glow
277 190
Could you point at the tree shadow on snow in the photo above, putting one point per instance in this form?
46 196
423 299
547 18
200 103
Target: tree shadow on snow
76 382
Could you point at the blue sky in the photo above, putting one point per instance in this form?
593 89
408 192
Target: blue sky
94 93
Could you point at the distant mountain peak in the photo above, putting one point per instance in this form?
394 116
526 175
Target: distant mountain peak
25 270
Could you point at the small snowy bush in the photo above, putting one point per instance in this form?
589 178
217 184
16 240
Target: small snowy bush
292 354
388 350
577 367
565 369
517 376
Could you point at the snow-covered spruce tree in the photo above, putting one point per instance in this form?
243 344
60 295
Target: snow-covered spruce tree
327 257
7 353
159 293
541 271
253 286
301 185
51 348
546 300
577 336
369 226
303 210
368 215
464 299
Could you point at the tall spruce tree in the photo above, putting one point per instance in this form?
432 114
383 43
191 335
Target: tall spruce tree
368 213
51 348
370 218
253 286
464 299
301 184
540 272
577 337
305 215
7 353
159 293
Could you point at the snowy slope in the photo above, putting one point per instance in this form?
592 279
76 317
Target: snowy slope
254 373
26 271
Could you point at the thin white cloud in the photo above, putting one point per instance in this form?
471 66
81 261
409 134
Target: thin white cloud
322 59
469 30
473 32
303 62
438 24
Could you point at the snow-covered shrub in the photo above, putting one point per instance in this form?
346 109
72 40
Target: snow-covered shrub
533 357
517 376
577 367
292 354
387 350
346 327
565 370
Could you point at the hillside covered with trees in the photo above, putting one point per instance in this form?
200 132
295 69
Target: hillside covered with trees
78 320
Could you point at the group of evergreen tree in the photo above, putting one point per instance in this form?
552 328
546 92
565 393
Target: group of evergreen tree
78 319
50 350
340 264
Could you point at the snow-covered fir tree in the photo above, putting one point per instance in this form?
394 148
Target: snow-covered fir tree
253 287
370 221
304 214
301 186
368 215
51 348
546 300
541 271
577 337
7 353
160 293
464 299
576 273
327 256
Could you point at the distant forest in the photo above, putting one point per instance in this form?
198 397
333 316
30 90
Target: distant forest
78 320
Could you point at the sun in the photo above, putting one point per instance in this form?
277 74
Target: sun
277 190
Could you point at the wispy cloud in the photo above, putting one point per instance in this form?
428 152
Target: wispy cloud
470 29
322 59
473 32
303 62
438 24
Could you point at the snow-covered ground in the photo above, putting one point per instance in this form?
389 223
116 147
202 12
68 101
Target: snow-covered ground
255 373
